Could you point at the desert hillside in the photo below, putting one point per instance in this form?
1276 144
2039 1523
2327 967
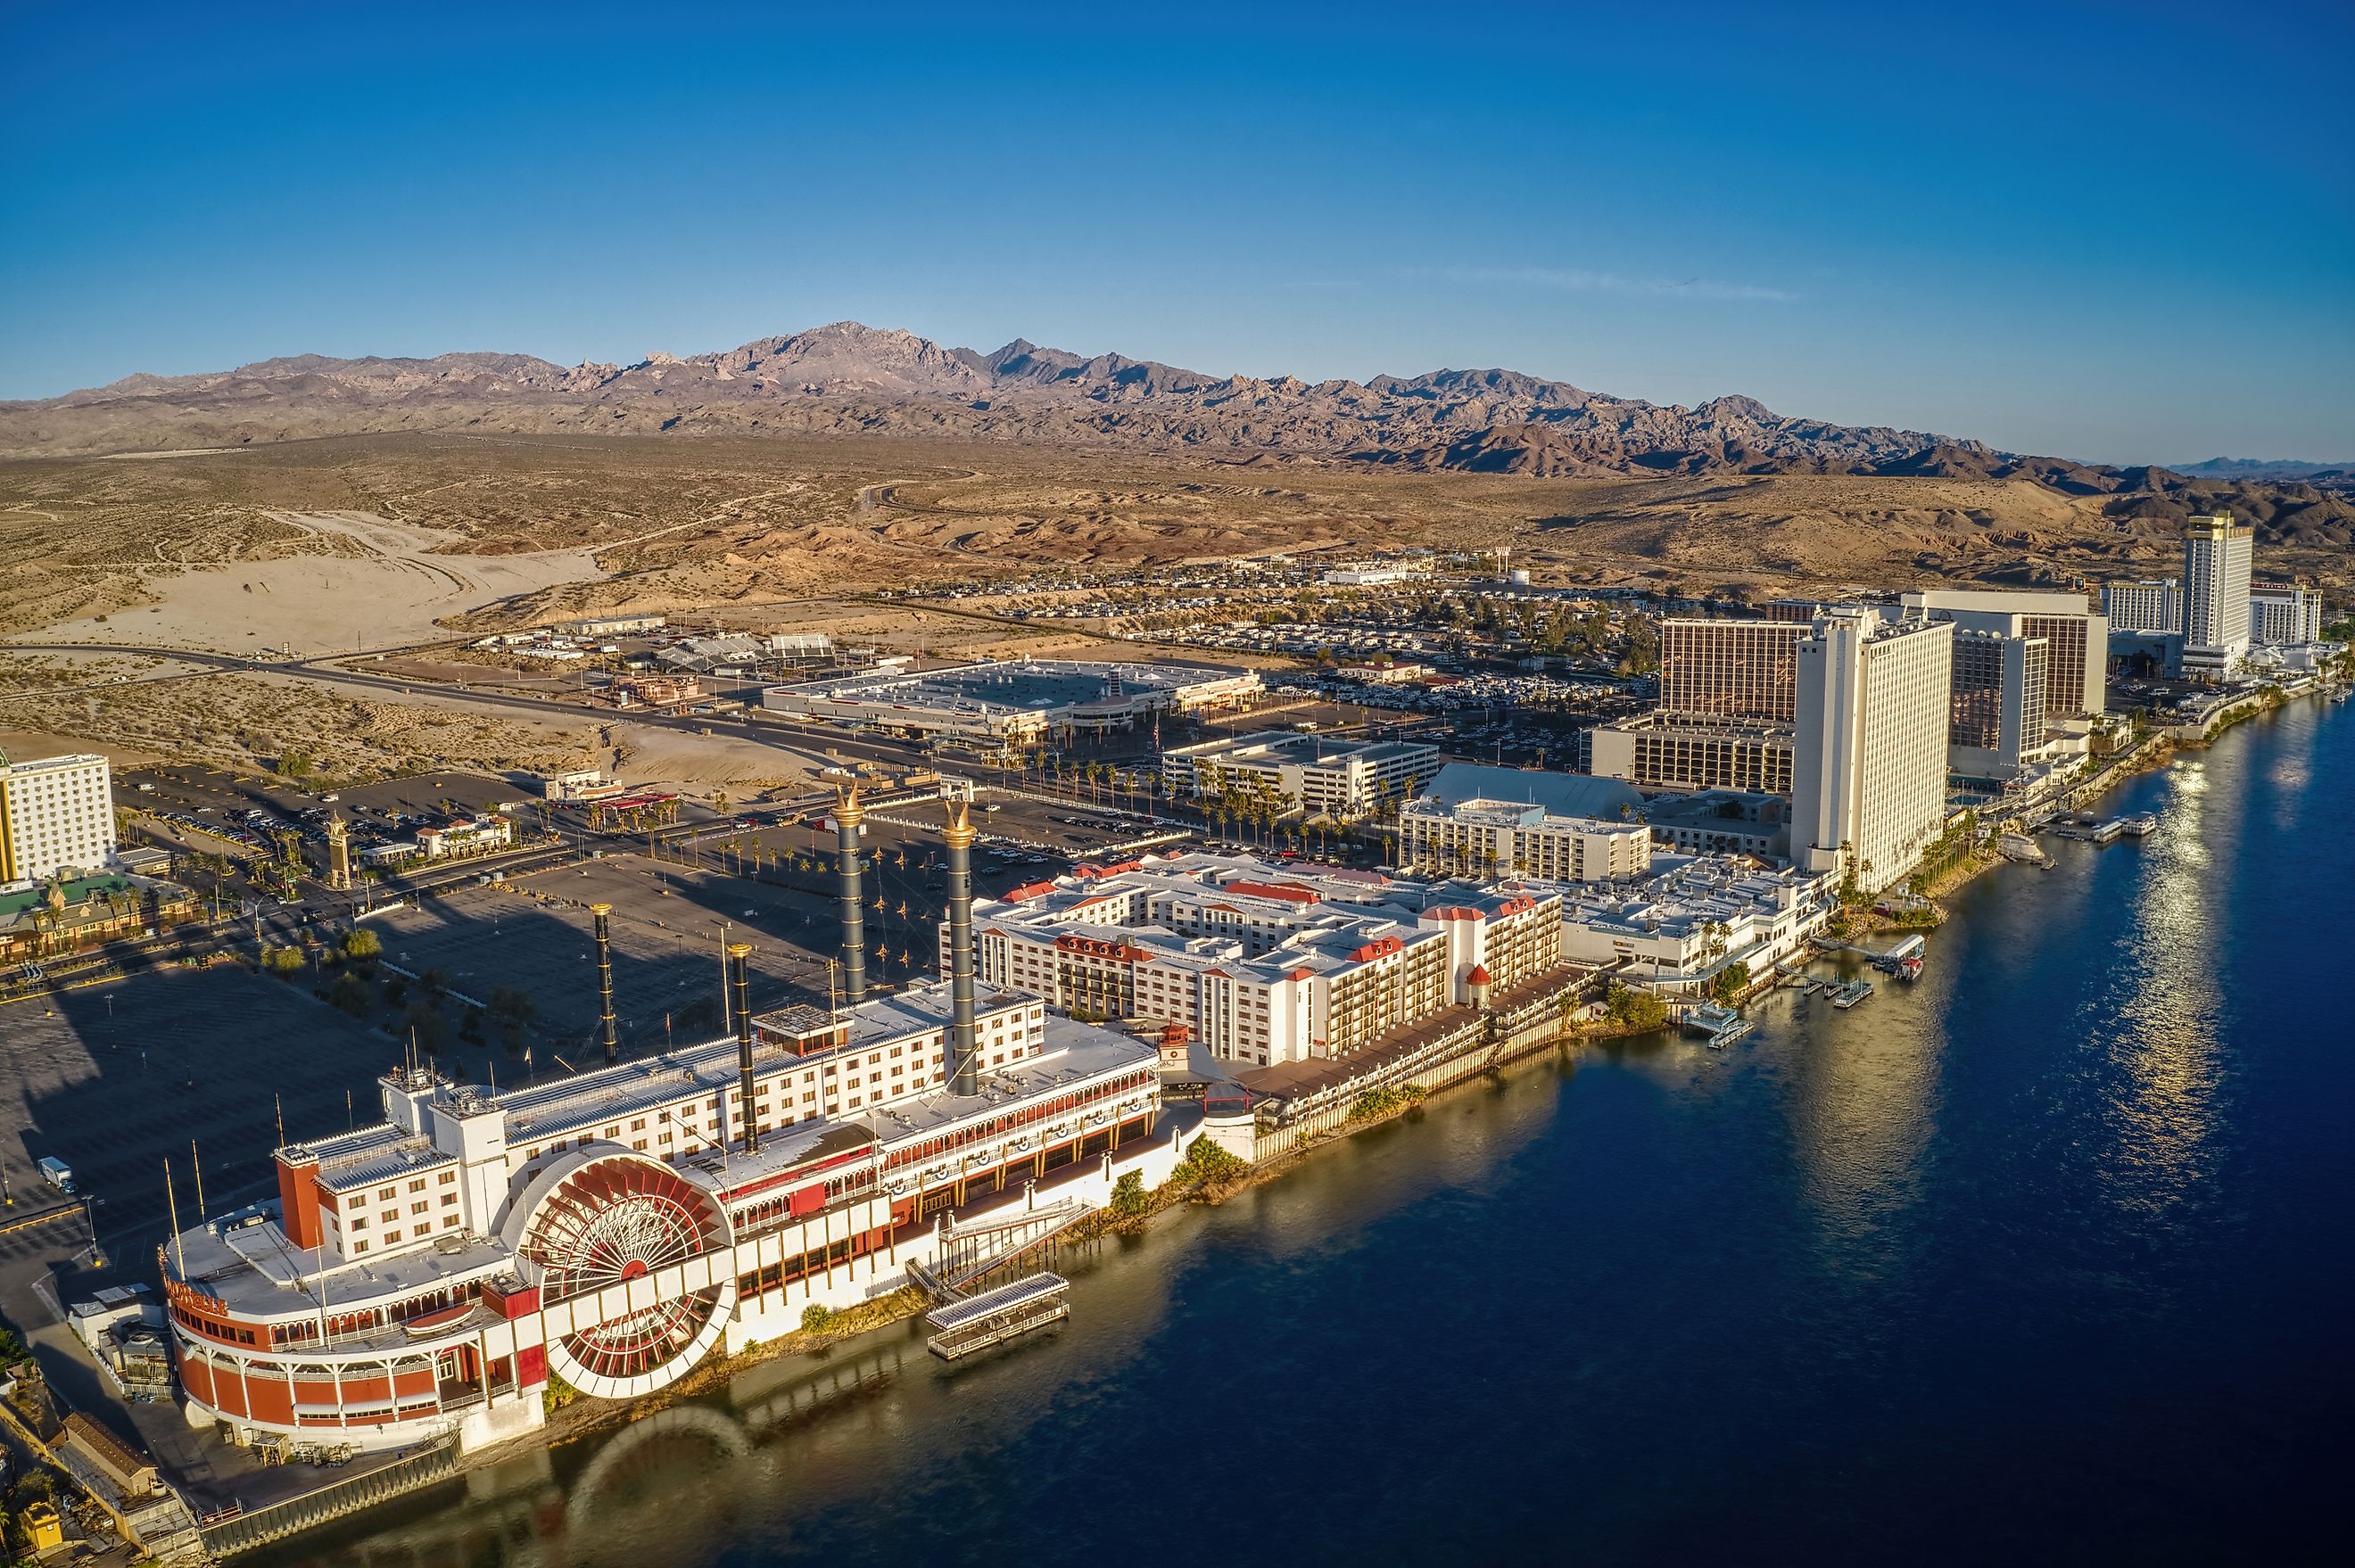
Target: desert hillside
433 527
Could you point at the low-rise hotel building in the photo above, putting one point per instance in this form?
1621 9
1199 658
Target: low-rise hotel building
1695 916
1339 778
1264 964
1504 838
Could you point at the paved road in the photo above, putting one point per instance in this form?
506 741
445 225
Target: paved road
336 671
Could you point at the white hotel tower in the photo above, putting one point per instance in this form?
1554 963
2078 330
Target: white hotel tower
2216 559
1868 781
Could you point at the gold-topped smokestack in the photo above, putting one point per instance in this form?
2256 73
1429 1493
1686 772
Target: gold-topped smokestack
963 1066
605 982
847 815
740 966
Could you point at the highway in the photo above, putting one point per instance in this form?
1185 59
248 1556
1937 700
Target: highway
335 670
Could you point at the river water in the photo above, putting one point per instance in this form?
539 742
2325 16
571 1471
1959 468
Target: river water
2045 1257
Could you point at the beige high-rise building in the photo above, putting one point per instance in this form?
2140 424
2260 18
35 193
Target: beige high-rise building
2217 553
1730 669
2154 604
1995 714
1869 780
56 813
2076 637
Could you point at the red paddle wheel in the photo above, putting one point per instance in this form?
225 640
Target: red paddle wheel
616 1219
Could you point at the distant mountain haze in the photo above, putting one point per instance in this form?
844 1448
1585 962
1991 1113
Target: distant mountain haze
848 379
2268 468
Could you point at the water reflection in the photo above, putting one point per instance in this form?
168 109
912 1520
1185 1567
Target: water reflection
2162 1036
1862 1114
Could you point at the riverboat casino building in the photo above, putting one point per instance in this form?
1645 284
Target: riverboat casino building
432 1273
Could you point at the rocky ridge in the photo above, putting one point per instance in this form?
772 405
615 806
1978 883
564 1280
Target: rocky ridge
850 379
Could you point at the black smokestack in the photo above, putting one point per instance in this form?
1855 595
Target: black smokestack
605 982
739 977
964 1064
847 815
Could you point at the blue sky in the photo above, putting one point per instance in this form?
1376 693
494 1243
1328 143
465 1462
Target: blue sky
2124 233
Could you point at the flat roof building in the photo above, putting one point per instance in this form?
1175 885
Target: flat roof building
608 626
1869 791
1508 837
2076 637
1013 701
2151 604
2281 614
1315 772
1264 964
1693 916
56 813
1660 751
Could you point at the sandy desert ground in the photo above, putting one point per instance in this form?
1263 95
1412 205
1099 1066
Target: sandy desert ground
365 582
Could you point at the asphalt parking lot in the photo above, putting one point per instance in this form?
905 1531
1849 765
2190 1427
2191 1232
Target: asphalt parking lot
115 1079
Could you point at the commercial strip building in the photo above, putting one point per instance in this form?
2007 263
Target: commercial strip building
1264 965
1868 789
1376 573
65 912
608 626
579 785
465 836
56 813
1014 702
1339 778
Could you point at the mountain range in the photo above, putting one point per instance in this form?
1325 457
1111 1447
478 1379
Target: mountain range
848 379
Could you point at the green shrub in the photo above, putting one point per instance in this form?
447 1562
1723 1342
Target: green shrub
349 992
816 1319
1206 1161
1632 1008
361 943
1376 1103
